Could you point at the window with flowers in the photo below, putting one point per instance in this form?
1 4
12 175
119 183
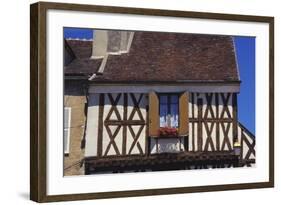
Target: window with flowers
169 110
168 114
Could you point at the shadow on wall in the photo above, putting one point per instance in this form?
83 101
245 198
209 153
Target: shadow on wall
132 100
75 87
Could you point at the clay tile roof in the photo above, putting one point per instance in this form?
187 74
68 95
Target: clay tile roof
81 63
173 57
165 57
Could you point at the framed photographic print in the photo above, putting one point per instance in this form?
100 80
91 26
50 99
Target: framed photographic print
134 102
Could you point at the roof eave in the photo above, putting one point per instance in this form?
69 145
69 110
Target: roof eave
76 76
198 82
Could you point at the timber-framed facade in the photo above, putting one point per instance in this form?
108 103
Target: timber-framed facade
141 83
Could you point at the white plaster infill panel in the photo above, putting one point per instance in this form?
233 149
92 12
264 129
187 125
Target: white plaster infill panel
92 126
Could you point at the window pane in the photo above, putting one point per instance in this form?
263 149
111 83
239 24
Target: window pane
65 140
174 99
66 117
163 115
163 99
174 115
66 133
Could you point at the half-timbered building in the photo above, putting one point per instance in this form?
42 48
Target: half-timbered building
163 101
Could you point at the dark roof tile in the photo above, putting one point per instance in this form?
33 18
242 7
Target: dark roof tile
163 57
174 57
82 64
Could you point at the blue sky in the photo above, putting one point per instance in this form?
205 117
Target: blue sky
78 33
245 52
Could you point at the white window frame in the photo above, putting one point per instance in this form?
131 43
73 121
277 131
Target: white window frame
67 148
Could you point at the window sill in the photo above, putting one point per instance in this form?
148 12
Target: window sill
167 136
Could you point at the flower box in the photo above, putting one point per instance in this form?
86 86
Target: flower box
167 132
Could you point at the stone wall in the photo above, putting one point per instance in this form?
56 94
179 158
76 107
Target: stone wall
75 98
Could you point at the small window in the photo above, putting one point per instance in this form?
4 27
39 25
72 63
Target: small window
66 129
169 110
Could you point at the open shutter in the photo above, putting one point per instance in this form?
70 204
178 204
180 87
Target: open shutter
153 114
183 112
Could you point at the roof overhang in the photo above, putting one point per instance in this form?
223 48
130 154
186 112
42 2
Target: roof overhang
76 77
138 87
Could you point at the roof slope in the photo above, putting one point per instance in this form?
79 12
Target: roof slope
171 57
81 64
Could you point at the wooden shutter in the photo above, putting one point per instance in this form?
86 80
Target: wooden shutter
183 113
153 114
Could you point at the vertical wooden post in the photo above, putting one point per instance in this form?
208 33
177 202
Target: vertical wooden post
157 145
100 124
199 132
124 143
234 117
147 138
193 123
217 122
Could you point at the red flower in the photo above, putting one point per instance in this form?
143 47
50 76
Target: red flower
167 131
